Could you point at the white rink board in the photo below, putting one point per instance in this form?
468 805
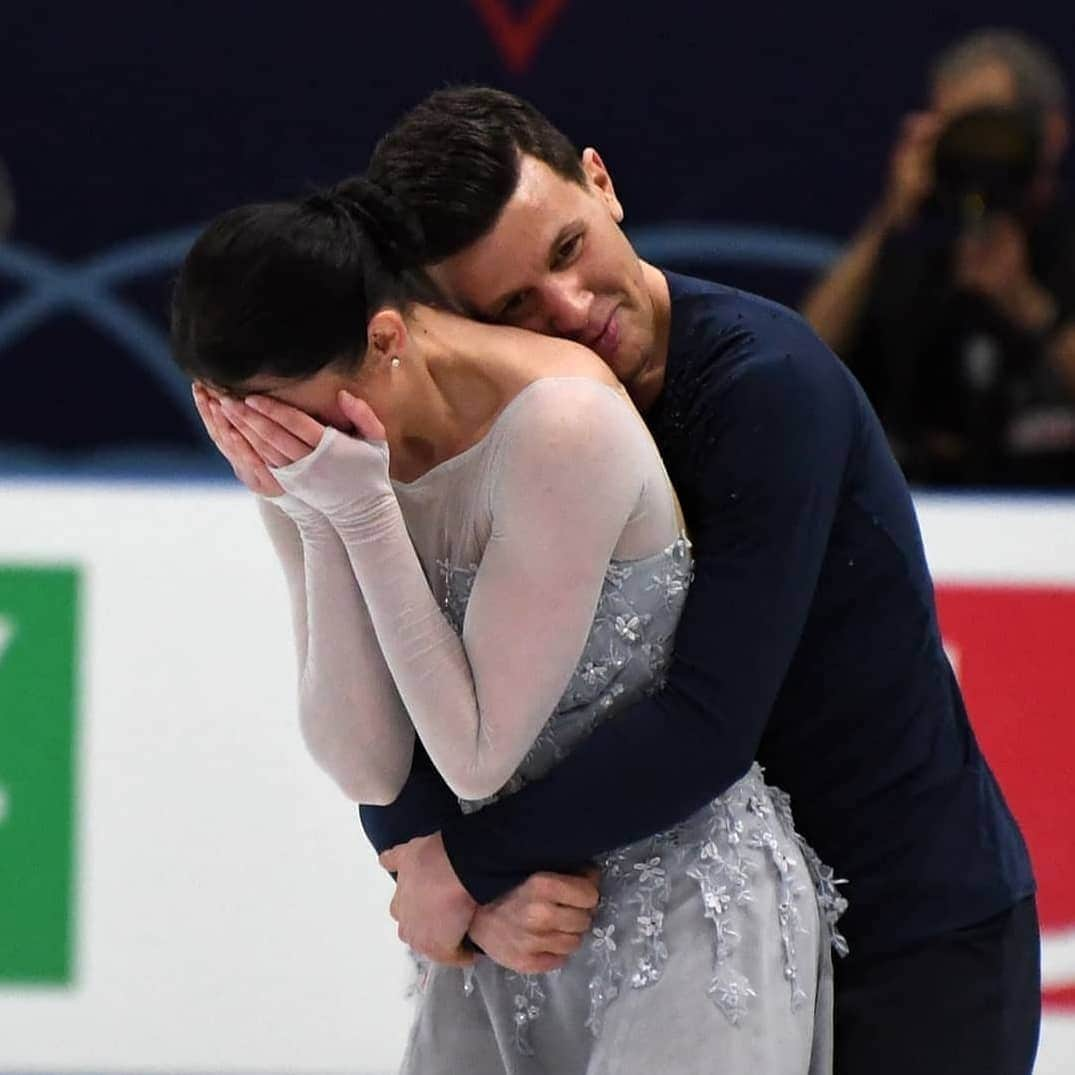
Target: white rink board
231 917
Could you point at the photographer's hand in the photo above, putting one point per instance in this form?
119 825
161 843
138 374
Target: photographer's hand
910 171
834 305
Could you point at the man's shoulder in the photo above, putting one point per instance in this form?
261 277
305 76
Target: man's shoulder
730 332
721 301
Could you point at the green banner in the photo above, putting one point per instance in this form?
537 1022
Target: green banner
38 664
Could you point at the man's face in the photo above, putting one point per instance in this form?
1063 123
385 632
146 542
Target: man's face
557 262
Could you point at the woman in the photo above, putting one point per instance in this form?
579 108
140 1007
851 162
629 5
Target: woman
482 547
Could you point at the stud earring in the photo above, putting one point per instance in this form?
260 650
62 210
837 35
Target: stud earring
396 362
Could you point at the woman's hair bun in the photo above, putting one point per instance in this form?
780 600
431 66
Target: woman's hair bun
391 227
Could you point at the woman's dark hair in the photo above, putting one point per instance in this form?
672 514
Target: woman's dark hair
286 289
454 161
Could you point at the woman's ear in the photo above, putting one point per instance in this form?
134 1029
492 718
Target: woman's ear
387 336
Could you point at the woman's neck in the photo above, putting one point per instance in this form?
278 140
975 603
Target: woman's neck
466 373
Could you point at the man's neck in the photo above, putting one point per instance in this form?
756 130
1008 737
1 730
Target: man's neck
645 387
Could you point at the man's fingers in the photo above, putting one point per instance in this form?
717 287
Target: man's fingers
560 944
449 957
569 920
461 957
565 889
501 936
541 917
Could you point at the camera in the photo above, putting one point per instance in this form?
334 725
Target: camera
985 161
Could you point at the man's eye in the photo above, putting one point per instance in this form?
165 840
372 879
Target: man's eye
513 305
568 250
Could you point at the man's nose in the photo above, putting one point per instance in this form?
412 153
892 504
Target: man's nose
567 309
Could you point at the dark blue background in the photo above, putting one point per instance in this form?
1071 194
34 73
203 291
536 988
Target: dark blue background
126 125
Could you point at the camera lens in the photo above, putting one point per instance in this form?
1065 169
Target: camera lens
985 161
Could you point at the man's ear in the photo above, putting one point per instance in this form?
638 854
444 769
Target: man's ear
601 182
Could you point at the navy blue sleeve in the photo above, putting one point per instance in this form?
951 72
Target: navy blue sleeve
424 805
771 438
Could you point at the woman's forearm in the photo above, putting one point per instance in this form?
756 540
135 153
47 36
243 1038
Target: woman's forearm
350 713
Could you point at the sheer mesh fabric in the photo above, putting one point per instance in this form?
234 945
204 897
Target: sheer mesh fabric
566 480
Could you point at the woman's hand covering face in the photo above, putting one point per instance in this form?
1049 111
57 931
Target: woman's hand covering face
260 434
277 432
249 467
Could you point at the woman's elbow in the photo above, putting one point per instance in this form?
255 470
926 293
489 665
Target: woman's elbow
375 788
375 794
368 773
476 782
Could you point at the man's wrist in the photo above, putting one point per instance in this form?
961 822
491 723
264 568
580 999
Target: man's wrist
457 859
449 874
484 877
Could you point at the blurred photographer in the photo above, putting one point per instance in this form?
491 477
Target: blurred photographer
955 302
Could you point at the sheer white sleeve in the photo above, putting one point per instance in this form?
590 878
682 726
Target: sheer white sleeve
351 716
572 466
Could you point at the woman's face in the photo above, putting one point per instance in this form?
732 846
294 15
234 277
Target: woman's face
318 395
365 377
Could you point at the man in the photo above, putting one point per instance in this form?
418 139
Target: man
963 331
809 639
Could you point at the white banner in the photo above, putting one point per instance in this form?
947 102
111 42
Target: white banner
229 916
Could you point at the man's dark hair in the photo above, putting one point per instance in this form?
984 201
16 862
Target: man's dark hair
454 161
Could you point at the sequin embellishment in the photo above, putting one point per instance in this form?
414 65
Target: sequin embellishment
723 848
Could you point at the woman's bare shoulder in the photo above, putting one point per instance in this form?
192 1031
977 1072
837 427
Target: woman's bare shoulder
549 356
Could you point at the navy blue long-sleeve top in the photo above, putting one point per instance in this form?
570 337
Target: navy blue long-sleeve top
809 641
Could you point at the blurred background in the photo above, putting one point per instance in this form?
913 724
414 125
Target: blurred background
183 892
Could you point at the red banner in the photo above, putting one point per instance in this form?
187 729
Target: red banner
1013 649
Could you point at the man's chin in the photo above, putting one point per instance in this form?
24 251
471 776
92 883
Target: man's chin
625 361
